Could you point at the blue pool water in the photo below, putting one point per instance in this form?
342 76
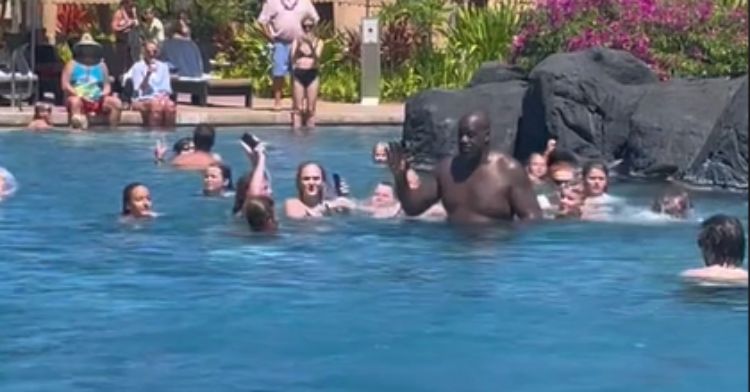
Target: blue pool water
193 302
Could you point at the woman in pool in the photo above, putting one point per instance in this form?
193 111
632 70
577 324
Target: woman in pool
311 195
383 203
217 180
253 199
306 52
536 169
8 185
598 203
136 202
42 117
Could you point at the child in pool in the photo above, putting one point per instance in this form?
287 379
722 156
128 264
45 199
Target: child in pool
42 117
722 242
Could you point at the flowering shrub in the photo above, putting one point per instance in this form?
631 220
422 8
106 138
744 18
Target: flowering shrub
675 37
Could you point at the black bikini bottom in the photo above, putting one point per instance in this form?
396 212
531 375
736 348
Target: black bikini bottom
305 76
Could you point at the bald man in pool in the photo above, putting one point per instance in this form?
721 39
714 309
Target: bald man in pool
477 185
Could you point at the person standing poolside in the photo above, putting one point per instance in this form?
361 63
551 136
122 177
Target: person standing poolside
722 243
152 29
306 52
282 23
477 185
204 137
152 88
127 35
85 81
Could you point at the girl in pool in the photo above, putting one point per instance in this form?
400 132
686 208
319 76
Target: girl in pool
136 202
598 203
42 117
217 180
311 195
306 51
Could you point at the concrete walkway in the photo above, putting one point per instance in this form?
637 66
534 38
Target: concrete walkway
230 111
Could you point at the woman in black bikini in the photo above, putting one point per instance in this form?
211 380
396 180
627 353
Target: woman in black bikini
306 53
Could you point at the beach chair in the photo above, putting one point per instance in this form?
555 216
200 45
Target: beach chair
17 81
187 66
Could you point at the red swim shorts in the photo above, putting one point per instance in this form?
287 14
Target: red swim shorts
93 107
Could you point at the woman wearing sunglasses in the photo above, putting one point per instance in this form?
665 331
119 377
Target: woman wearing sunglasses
306 52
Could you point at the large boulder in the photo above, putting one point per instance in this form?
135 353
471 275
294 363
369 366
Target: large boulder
431 118
673 122
585 99
495 72
723 160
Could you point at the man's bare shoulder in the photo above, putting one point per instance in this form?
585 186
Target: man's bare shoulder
504 161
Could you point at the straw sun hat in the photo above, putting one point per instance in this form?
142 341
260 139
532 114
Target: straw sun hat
87 42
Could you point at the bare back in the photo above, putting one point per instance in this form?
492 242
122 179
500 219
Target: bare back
197 160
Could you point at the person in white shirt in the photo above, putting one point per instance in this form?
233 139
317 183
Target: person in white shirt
152 89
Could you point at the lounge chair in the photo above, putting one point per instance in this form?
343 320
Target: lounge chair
48 68
187 66
17 82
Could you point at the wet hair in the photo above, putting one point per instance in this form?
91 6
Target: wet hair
722 241
226 173
591 165
204 136
241 193
181 145
298 177
41 107
672 193
559 156
598 165
126 196
258 211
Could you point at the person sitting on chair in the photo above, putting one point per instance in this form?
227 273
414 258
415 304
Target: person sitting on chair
85 81
152 88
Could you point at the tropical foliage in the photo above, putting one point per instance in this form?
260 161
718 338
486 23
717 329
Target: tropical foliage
676 37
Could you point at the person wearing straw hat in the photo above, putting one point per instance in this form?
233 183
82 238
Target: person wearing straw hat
85 81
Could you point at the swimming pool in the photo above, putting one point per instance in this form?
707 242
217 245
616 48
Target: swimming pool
193 302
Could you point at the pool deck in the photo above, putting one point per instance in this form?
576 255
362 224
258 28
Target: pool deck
230 111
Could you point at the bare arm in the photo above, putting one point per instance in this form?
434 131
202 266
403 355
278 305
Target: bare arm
65 79
417 200
257 178
522 198
107 89
318 51
292 52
